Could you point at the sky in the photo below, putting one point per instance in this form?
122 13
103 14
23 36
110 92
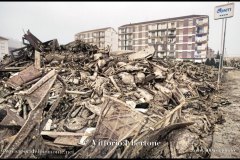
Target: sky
62 20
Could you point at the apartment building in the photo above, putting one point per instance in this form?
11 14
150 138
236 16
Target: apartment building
102 37
3 47
183 38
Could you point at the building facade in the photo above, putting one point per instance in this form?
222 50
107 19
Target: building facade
3 47
103 37
183 38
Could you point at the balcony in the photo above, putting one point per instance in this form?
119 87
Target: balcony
154 27
171 55
172 27
129 31
99 35
201 32
171 34
199 48
152 36
201 40
163 28
201 23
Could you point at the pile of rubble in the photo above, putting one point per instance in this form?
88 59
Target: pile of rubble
79 101
233 62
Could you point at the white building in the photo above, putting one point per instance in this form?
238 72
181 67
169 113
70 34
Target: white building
101 37
3 47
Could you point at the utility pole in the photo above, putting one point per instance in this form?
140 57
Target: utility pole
220 60
223 12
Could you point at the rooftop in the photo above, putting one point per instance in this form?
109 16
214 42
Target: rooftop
94 30
166 19
3 38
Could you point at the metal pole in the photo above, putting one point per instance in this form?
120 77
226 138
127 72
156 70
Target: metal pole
223 48
220 60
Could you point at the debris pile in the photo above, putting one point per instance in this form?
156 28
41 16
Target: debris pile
233 62
77 101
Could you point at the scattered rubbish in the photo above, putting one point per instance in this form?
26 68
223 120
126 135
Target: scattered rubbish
75 97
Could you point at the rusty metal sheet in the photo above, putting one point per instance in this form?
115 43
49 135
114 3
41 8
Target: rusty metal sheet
28 74
10 118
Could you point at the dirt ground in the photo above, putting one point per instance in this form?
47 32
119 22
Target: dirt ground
226 138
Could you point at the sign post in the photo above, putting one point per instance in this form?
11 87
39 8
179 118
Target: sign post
223 12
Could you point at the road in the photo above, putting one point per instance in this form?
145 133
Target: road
226 138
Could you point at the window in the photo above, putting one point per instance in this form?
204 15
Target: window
189 46
189 55
146 27
190 39
140 35
179 54
163 33
136 29
146 34
180 24
129 30
190 22
180 31
152 34
139 41
153 40
190 31
140 28
180 39
180 47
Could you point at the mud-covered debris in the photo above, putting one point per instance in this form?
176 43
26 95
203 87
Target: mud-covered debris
72 97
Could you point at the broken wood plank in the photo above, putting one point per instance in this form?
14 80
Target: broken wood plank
24 76
53 133
78 92
37 60
67 140
115 84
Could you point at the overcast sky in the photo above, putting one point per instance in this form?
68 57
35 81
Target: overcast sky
61 20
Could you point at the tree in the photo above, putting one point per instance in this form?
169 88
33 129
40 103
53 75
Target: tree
217 60
207 62
212 62
218 55
224 62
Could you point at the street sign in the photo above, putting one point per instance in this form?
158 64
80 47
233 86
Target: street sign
224 11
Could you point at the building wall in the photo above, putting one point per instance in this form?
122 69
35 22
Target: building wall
3 48
101 38
183 38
